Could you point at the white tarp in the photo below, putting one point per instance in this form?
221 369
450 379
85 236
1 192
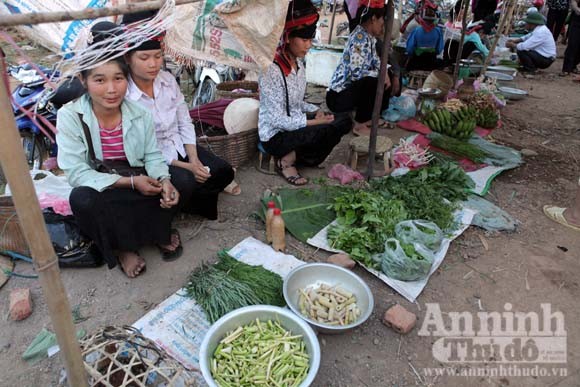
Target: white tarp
57 37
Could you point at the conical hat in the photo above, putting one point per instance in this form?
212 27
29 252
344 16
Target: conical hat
241 115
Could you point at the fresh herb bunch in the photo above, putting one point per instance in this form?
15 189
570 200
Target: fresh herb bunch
458 147
231 284
365 221
265 284
218 293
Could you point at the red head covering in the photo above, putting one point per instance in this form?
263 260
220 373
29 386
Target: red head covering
371 3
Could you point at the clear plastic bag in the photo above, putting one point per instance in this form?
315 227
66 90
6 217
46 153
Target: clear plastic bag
405 262
400 108
423 232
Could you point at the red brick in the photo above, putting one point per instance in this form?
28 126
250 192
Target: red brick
400 319
342 260
20 304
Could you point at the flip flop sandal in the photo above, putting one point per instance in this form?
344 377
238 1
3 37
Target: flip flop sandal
290 179
557 215
171 255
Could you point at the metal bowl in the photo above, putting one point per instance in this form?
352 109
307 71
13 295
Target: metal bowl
513 93
429 92
499 76
248 314
504 70
314 274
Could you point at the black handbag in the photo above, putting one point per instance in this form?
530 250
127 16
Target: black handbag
117 167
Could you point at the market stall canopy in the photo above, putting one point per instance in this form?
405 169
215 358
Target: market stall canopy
239 34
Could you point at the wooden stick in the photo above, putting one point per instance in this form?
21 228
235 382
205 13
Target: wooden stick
15 169
380 87
460 50
332 20
87 13
502 22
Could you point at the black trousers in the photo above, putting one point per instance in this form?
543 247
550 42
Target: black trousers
556 20
572 54
531 60
125 220
312 144
427 62
359 96
204 197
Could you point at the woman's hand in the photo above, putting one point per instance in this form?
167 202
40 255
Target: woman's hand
321 118
199 170
169 195
148 186
387 82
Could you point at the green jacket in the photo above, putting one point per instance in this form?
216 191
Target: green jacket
139 143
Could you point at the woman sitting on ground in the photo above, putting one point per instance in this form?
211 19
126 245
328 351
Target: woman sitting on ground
285 131
353 85
120 214
158 91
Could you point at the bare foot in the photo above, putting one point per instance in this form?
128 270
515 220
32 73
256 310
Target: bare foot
131 263
570 218
174 243
361 129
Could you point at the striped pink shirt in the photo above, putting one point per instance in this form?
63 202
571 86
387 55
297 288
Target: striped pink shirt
112 143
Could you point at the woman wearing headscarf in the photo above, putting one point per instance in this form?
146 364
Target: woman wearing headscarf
285 130
158 91
425 43
124 196
355 79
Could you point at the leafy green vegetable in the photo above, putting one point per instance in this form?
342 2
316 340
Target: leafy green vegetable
365 220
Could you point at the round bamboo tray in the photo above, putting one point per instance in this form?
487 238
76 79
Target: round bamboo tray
236 148
226 89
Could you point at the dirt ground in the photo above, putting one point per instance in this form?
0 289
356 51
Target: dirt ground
537 264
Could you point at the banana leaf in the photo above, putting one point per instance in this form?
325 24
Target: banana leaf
305 211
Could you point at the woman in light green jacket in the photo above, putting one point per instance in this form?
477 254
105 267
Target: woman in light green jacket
120 214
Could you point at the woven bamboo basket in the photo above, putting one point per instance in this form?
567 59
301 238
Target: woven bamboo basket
11 235
225 89
236 148
122 357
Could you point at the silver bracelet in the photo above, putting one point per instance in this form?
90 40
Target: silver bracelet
132 184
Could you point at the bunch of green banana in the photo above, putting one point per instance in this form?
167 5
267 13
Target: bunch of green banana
459 124
487 118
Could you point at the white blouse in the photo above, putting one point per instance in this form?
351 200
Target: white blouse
173 126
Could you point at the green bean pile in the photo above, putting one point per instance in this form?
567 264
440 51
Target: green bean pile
260 353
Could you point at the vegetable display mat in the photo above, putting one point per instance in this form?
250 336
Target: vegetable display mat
178 324
408 289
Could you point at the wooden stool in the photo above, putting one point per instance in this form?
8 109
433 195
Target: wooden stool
265 156
417 78
359 147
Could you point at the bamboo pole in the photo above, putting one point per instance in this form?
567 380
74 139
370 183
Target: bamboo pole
87 13
380 87
332 20
15 169
500 27
460 50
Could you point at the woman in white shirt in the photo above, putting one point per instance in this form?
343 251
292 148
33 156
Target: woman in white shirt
158 92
